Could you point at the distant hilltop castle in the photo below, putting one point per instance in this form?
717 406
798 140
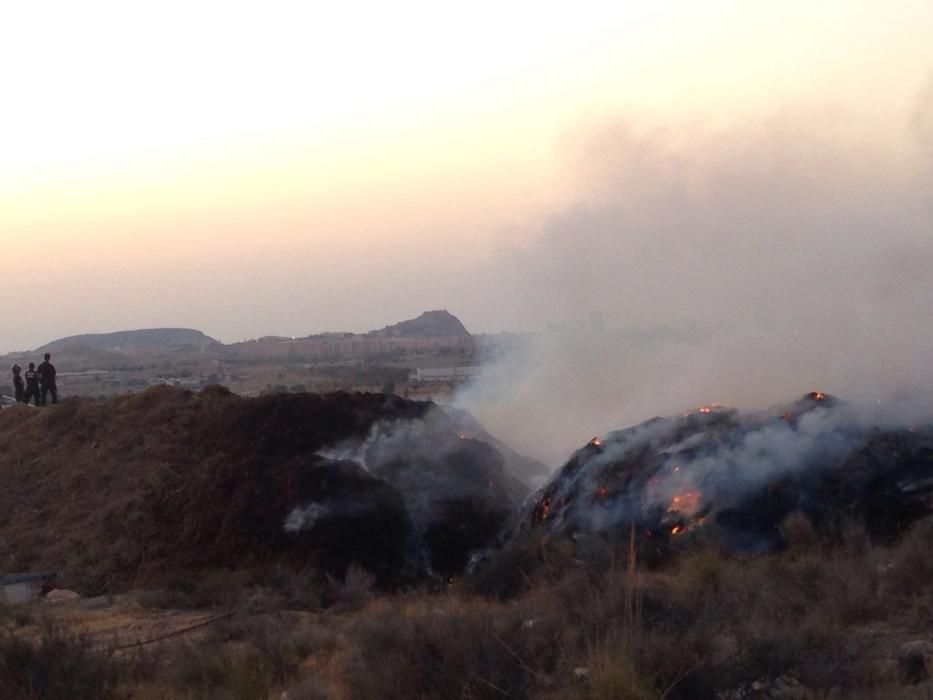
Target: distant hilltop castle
430 324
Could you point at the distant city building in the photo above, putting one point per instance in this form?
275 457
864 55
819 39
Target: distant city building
444 374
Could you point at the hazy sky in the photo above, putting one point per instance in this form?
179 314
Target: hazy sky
286 168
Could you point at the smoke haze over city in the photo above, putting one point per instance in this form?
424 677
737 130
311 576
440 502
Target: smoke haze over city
739 193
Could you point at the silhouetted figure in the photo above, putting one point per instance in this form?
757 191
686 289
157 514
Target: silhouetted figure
19 387
32 385
47 379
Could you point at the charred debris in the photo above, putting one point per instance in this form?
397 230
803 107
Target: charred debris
732 479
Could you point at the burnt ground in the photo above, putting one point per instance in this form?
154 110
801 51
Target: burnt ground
138 490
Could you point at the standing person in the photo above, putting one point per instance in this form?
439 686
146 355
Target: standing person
19 389
32 384
47 377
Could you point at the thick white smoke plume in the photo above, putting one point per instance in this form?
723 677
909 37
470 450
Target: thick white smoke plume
740 265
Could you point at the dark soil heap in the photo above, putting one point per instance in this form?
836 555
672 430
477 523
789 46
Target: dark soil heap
140 489
731 478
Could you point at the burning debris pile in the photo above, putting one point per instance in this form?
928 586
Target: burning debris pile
141 489
456 493
736 477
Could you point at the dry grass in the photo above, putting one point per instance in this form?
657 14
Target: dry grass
55 666
829 614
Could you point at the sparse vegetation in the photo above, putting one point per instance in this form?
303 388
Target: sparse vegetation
828 615
55 665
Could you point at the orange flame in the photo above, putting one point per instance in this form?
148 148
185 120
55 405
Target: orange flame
684 508
686 503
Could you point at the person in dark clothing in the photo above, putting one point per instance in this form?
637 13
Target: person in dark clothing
32 385
47 379
19 388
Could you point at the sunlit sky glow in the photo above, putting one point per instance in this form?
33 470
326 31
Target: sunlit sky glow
252 168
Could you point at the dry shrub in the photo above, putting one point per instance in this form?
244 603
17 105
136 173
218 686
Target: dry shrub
55 666
447 648
295 589
798 532
211 588
212 672
614 676
306 689
281 648
508 573
15 615
909 569
697 580
356 590
263 589
701 625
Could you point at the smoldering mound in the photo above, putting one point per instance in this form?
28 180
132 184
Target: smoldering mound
733 478
141 489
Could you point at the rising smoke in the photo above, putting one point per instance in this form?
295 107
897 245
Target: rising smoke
740 265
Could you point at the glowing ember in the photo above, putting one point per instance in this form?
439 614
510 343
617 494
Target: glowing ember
545 508
596 442
686 504
819 395
685 511
463 436
602 492
709 408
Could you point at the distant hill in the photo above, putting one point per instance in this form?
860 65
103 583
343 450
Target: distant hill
430 324
151 339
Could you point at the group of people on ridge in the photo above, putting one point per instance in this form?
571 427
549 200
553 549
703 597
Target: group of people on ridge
36 383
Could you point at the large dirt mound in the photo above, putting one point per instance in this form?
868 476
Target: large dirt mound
735 478
139 489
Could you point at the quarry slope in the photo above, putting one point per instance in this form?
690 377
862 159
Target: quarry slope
130 492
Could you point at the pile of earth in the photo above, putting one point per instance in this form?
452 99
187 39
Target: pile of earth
734 479
140 489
